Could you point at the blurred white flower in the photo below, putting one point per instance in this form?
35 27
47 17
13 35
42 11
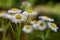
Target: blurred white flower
53 26
27 29
41 25
46 18
14 10
7 16
18 18
26 4
30 12
1 29
2 13
34 24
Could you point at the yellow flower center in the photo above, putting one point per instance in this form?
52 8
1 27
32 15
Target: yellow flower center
53 25
1 12
46 16
35 21
27 26
18 16
29 11
14 9
42 24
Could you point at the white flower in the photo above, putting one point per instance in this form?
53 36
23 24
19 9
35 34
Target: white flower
27 29
41 25
29 12
1 29
18 18
34 24
2 13
26 4
14 10
46 18
7 16
53 26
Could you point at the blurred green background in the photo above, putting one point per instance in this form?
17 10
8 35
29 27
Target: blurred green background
50 8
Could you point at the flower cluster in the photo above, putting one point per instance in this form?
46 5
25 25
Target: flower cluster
16 15
43 23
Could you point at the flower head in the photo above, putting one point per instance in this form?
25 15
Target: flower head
14 10
34 24
26 4
46 18
30 12
41 25
27 29
2 13
53 26
17 18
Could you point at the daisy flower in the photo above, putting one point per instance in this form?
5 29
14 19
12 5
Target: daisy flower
34 24
46 18
18 18
27 29
2 13
53 26
14 10
41 25
7 16
26 4
29 12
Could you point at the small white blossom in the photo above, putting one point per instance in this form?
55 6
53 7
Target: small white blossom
45 18
26 4
53 26
2 13
18 18
29 12
27 29
34 24
14 10
41 25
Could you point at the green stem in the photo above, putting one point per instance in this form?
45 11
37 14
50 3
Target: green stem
4 34
11 27
28 19
43 36
18 31
47 34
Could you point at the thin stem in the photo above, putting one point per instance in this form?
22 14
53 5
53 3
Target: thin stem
47 34
4 34
11 27
28 19
43 36
18 31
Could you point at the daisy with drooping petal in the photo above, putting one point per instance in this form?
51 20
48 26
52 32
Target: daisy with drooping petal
46 18
53 26
34 24
17 18
14 10
30 12
41 25
27 29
